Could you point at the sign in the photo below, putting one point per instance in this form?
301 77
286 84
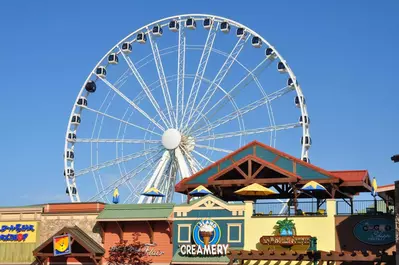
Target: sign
23 232
62 245
206 236
285 240
148 249
375 231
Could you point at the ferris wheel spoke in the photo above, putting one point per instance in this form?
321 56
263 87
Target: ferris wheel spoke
194 167
181 161
200 72
146 89
123 121
203 156
118 160
181 69
249 78
134 105
124 141
162 79
134 172
248 132
219 78
157 173
213 148
160 181
244 110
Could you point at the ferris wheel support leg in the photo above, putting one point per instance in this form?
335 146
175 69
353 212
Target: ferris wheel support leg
184 171
157 173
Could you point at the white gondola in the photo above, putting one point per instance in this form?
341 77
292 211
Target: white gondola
75 120
91 86
141 37
190 23
71 137
281 68
113 58
174 25
256 42
306 141
304 120
82 102
290 82
306 159
69 172
270 54
299 100
225 27
101 72
157 30
126 47
73 189
240 32
208 22
70 155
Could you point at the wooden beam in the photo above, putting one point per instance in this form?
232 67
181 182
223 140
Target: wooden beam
120 230
102 230
250 168
258 171
241 172
151 229
41 254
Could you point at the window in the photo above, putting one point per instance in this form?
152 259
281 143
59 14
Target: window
233 233
184 233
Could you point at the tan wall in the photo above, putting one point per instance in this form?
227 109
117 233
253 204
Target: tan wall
51 224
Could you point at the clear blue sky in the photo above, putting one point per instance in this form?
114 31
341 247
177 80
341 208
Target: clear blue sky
345 54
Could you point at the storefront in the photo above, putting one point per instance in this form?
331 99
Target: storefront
205 229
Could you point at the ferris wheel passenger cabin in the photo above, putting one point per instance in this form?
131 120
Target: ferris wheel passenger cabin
174 25
157 30
225 27
190 23
101 72
91 86
141 37
208 22
126 47
113 58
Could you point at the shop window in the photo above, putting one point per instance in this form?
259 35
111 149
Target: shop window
184 233
233 233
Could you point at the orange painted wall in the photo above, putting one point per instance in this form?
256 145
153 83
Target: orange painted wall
83 207
161 237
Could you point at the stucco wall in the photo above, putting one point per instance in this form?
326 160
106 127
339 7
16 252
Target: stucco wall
51 224
322 227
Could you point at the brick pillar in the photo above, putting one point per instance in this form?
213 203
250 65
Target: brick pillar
397 220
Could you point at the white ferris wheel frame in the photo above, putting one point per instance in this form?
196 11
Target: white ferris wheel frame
71 180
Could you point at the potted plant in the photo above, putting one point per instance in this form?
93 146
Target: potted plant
286 227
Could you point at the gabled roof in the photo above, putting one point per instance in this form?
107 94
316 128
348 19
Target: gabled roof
79 236
136 212
286 165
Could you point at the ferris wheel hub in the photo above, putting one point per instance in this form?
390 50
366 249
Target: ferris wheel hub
171 139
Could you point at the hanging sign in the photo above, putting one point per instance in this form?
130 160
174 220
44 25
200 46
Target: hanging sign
14 232
375 231
62 245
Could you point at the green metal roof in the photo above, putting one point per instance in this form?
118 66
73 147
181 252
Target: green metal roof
156 211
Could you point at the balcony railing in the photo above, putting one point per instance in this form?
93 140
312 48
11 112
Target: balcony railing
365 207
304 208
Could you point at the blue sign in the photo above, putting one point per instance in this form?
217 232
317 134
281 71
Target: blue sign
375 231
206 232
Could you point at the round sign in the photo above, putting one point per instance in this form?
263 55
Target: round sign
375 231
206 232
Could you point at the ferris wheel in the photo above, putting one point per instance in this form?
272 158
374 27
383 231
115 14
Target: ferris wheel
173 97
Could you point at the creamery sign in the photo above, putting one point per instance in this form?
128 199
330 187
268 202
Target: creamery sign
206 236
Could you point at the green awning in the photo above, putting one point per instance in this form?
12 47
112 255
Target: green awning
136 212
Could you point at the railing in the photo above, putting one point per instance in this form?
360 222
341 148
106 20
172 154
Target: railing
304 208
365 207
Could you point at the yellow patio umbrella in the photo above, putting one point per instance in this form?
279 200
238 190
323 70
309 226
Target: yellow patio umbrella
255 189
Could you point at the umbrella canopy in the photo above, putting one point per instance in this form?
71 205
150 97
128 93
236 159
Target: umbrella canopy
374 187
313 186
115 197
200 191
255 189
153 192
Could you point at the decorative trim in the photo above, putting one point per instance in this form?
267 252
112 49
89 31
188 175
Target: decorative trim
239 232
189 233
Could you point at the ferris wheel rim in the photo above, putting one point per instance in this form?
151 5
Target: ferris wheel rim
305 129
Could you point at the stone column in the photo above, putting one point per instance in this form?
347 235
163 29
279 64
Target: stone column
397 220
